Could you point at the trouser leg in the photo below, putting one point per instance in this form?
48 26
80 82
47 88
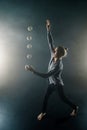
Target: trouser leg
64 98
47 95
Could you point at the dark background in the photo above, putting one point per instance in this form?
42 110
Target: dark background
21 92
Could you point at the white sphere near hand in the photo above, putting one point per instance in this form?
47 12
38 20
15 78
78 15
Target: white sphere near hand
26 67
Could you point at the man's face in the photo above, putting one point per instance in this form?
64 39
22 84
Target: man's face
56 51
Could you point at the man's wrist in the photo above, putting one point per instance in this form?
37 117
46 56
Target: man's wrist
33 71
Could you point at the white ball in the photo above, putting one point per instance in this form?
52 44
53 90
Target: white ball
26 67
29 38
29 56
29 46
30 28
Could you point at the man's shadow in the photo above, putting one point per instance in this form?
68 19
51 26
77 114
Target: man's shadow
49 122
57 120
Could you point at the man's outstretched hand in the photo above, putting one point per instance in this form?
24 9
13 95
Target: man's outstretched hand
48 25
29 67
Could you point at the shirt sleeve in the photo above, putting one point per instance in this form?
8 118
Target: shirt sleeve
48 74
50 41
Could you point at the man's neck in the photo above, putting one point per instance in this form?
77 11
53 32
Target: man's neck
57 58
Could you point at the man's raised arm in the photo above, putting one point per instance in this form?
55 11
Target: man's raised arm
49 36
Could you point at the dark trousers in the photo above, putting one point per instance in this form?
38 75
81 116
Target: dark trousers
50 90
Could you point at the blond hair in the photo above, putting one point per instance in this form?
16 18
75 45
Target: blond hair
62 51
